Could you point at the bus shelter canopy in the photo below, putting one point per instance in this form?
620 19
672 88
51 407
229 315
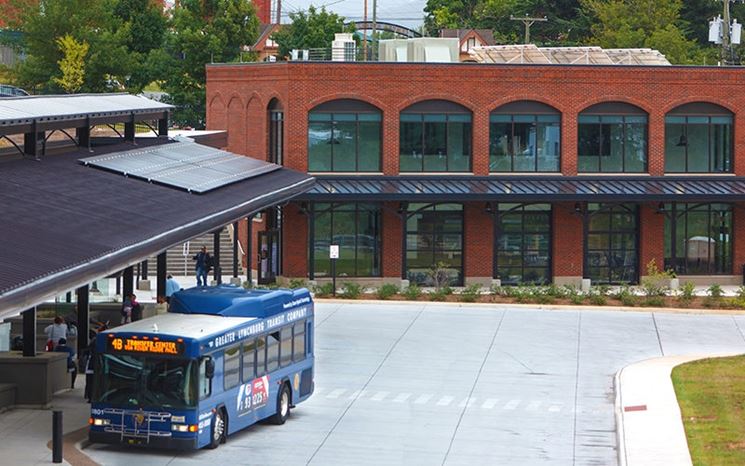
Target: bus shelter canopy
66 224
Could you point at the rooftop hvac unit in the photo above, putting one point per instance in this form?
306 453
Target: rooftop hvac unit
299 55
392 50
433 50
343 48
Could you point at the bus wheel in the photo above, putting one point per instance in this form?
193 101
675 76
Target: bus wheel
283 406
218 429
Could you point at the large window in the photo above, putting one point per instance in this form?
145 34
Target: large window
434 237
276 132
612 137
356 229
698 139
698 238
435 136
524 136
344 136
611 253
523 244
232 367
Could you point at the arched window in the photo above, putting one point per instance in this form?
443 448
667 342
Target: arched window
698 139
612 137
435 136
524 136
344 136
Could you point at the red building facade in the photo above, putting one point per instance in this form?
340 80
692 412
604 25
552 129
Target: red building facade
523 173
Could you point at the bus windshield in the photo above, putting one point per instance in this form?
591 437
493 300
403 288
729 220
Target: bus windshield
138 381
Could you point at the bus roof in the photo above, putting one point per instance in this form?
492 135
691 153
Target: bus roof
234 301
179 325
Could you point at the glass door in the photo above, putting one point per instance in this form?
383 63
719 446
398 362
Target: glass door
268 256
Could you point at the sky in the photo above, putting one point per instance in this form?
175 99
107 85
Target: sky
404 12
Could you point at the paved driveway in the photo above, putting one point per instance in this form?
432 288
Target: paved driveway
442 384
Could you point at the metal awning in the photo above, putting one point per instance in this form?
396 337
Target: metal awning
18 114
528 189
65 224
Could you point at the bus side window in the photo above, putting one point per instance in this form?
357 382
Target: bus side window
285 349
309 337
231 367
249 361
261 356
298 342
272 351
205 383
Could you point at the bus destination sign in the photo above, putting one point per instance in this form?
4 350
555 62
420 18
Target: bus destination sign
130 345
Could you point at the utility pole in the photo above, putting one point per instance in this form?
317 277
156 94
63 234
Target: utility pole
375 27
364 39
527 21
725 33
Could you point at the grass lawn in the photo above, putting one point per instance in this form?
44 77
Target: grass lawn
711 394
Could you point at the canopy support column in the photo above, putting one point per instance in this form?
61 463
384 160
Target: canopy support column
160 287
235 249
216 256
83 308
249 249
128 281
29 332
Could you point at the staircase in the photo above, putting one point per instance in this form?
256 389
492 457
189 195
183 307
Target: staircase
176 265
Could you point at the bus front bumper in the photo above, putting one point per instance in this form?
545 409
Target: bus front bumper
169 443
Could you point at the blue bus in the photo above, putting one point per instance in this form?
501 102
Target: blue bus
221 359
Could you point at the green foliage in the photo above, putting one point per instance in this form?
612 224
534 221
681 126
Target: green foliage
412 292
351 290
577 298
471 293
386 290
626 296
437 295
715 291
72 64
687 294
655 283
323 291
203 32
440 277
297 283
654 301
308 30
596 297
447 290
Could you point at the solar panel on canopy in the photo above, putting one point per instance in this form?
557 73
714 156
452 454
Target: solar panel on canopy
183 164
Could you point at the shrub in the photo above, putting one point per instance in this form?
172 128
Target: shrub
655 283
351 290
687 293
471 293
654 301
446 290
597 299
437 295
412 292
439 275
386 291
495 290
626 296
323 291
715 291
298 283
577 298
522 294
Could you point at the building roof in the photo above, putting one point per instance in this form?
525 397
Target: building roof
528 189
65 224
486 35
63 110
531 54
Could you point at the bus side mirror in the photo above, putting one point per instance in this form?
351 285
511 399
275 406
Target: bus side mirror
209 368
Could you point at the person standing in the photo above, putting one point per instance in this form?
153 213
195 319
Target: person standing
203 264
172 286
136 308
54 332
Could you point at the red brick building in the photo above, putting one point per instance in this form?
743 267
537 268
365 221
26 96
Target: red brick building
525 173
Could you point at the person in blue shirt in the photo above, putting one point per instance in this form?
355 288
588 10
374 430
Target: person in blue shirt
63 348
172 286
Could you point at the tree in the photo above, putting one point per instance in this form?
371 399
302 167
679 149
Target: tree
314 29
88 21
643 23
203 31
142 27
72 64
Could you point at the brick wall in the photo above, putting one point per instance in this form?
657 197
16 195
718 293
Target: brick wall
567 250
482 88
479 241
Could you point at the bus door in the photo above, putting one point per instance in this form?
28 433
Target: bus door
268 256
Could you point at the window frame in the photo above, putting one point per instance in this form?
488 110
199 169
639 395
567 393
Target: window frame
625 124
425 117
520 210
514 116
610 208
299 324
333 121
675 214
729 162
239 359
435 231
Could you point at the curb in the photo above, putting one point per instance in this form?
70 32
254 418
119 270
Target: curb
545 307
71 448
620 433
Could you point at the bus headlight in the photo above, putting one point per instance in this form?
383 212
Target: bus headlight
101 422
183 428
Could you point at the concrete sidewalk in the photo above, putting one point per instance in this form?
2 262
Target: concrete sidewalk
648 420
26 433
